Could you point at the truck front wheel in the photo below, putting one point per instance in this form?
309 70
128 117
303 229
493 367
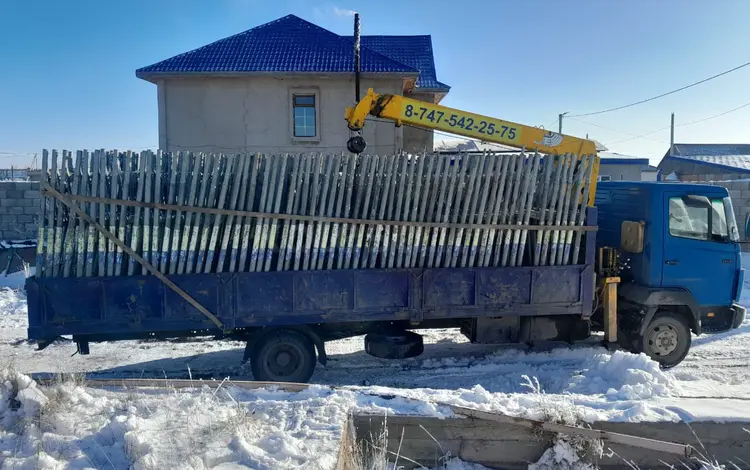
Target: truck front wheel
666 339
283 356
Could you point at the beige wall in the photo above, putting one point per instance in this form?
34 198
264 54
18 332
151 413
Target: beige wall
254 114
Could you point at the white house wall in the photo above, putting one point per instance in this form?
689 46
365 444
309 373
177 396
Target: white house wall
254 114
621 172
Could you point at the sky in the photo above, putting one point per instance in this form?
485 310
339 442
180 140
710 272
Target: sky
67 68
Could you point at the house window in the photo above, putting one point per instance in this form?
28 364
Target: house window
604 178
304 115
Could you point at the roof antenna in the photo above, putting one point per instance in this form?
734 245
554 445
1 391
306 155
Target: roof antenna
356 58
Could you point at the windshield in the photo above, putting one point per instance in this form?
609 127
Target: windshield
734 233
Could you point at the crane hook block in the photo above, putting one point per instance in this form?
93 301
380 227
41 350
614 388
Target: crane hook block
356 144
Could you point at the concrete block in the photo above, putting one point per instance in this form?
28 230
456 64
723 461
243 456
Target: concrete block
34 185
17 210
26 202
735 194
7 202
31 229
15 193
24 219
3 193
31 194
33 210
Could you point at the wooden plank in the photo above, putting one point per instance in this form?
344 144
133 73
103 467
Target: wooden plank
352 164
292 201
114 189
216 224
419 194
298 231
234 253
326 241
364 214
385 205
478 184
147 197
43 229
268 171
197 225
170 245
137 234
273 223
69 242
51 222
158 216
83 189
191 219
239 176
101 253
122 229
247 223
207 220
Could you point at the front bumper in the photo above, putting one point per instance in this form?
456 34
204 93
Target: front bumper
723 318
740 313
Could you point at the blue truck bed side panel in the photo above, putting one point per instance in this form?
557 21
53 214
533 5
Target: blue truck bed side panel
139 304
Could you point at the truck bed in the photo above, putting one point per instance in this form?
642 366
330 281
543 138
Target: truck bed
129 307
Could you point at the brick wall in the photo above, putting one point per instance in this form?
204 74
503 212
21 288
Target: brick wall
19 209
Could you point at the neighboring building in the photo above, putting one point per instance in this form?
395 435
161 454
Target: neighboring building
283 86
612 166
618 167
707 162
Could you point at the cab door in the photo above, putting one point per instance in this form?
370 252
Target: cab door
699 255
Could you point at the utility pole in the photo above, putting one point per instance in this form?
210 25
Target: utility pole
559 121
671 137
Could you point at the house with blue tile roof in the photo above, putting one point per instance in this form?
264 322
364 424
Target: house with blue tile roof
283 86
707 162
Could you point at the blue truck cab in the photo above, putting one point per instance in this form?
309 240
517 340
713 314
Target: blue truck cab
680 264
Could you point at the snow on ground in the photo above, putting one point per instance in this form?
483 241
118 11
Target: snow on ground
274 429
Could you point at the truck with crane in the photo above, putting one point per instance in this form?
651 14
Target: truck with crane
288 253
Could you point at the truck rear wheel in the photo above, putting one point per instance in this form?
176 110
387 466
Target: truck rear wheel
666 339
283 356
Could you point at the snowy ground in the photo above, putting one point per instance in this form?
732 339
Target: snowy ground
272 429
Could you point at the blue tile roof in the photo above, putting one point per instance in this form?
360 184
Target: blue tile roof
291 44
414 51
729 156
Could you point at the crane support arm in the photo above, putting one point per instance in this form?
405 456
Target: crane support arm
404 110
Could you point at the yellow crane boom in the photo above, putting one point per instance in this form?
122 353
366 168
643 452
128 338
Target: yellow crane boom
403 110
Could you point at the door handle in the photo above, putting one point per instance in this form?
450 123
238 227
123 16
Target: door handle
671 262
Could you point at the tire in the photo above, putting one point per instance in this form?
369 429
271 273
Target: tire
401 345
283 356
667 339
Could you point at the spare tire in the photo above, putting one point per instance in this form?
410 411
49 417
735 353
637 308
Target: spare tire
398 345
